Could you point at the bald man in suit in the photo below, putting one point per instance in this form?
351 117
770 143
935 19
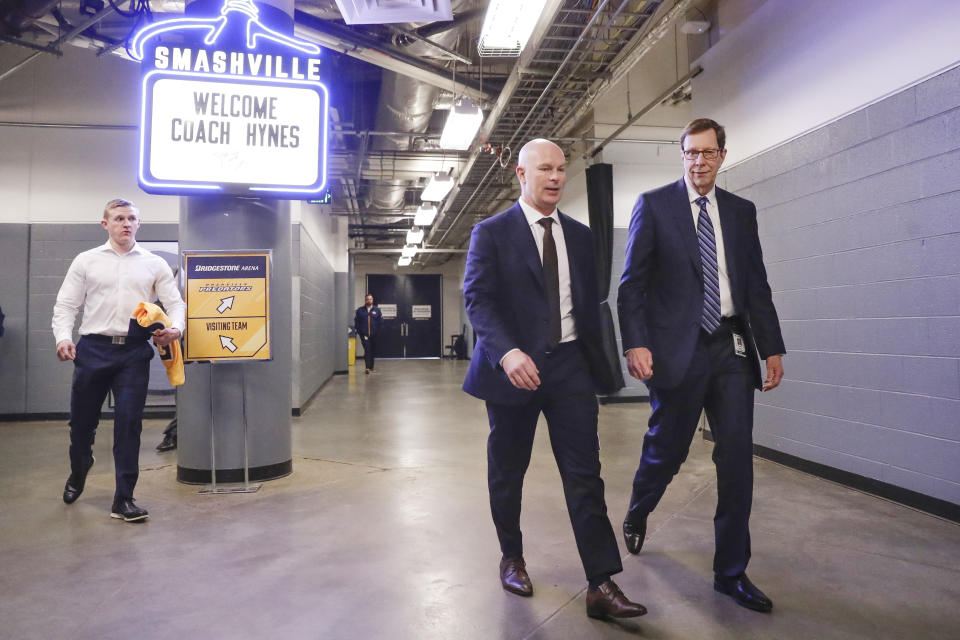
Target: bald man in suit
531 294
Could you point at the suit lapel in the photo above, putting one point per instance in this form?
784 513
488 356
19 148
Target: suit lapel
523 242
684 221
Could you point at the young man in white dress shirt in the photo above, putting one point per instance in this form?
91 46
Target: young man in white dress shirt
107 283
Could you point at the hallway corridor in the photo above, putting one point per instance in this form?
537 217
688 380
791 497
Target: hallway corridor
383 532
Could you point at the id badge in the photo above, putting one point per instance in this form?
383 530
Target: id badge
739 346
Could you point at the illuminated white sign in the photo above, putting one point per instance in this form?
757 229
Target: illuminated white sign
230 118
233 131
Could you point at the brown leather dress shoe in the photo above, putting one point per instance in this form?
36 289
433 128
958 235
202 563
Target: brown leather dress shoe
514 578
608 601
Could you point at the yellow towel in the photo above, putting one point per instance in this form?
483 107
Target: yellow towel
151 316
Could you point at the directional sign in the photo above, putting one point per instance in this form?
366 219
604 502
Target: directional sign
228 305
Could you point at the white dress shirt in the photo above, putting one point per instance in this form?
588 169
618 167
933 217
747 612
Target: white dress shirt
109 286
568 326
726 298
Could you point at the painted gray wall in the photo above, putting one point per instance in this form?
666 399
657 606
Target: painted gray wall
14 247
634 388
51 250
860 225
342 285
317 327
36 258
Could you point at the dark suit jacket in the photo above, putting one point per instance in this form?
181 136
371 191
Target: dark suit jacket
360 320
505 295
660 299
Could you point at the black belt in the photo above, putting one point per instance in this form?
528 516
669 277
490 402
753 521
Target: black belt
733 324
96 337
560 346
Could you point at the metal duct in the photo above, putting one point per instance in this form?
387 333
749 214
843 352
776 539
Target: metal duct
405 105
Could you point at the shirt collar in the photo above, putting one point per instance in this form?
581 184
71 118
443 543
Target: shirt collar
532 215
106 246
693 195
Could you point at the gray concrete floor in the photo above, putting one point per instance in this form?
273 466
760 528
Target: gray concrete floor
383 531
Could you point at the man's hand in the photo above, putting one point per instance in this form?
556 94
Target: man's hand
774 373
66 350
521 370
640 363
163 337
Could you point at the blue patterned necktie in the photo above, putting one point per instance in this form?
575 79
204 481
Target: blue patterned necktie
710 320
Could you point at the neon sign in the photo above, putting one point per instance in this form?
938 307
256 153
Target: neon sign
240 111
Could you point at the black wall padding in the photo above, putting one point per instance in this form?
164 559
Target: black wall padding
600 206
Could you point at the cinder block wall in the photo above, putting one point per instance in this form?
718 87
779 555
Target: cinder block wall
35 260
860 225
634 388
314 277
14 247
51 250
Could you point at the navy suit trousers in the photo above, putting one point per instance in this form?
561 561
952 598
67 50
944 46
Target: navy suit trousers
721 383
567 401
367 342
99 367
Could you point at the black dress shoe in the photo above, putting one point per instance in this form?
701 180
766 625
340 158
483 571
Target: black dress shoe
633 536
75 484
744 592
169 443
514 578
608 601
125 510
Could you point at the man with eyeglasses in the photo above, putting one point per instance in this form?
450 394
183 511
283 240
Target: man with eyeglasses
695 308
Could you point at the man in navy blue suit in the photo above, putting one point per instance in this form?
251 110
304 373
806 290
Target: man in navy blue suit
367 322
695 308
531 294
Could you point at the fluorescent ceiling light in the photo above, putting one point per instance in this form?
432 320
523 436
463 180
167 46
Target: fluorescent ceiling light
415 236
404 261
462 125
425 215
408 252
438 187
508 26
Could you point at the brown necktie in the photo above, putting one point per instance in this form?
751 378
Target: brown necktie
551 277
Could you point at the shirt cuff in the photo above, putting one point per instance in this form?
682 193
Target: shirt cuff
506 354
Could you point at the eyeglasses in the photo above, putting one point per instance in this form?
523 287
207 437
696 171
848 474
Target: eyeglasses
708 154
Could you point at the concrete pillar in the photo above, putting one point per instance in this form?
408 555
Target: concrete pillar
238 224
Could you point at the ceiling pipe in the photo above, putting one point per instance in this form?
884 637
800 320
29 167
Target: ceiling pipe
363 47
653 104
597 13
641 44
64 39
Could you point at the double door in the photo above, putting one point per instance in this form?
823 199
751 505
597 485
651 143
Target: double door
412 307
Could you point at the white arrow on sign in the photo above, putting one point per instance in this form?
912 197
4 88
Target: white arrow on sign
227 343
225 303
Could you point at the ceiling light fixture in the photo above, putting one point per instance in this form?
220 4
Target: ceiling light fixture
438 187
408 252
462 125
404 261
425 215
508 26
415 236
